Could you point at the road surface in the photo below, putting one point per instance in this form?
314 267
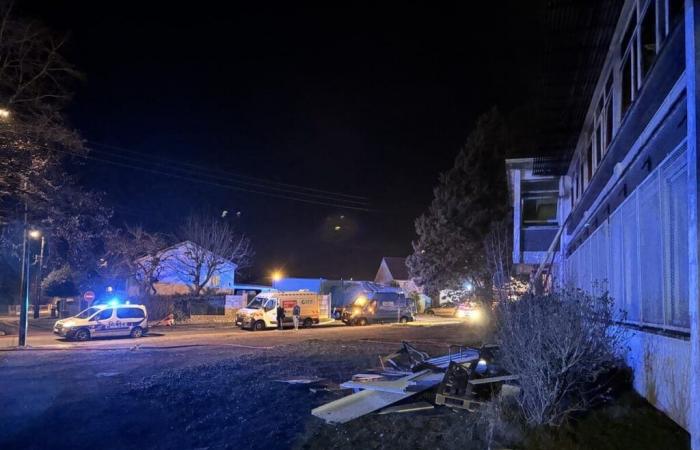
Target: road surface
188 387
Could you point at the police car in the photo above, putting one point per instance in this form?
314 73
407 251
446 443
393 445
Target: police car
104 321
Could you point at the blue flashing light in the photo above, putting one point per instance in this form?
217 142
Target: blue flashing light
113 302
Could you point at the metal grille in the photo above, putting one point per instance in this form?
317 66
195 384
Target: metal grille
641 255
616 281
650 251
676 232
630 258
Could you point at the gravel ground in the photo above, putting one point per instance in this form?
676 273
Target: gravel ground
230 398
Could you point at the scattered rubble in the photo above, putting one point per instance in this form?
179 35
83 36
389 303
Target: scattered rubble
466 377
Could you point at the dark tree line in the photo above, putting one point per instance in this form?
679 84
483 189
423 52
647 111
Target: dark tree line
468 201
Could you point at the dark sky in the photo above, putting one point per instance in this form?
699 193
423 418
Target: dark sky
364 99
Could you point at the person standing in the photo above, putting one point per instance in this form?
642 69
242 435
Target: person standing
296 315
280 316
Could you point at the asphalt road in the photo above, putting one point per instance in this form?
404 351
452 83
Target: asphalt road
59 394
41 337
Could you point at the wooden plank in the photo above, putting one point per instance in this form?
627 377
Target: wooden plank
356 405
421 384
477 381
399 386
369 400
411 407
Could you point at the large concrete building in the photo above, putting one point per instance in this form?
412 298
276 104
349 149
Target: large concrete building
627 199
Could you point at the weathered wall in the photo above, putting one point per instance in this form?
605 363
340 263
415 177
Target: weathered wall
661 367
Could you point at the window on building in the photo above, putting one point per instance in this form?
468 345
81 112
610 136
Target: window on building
675 12
540 210
638 48
648 38
539 202
215 281
589 162
607 136
628 72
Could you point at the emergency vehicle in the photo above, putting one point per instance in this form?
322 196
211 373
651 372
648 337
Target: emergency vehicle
104 321
261 312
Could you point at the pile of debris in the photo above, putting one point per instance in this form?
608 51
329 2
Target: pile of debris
465 378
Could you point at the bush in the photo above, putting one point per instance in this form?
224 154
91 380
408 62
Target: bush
559 345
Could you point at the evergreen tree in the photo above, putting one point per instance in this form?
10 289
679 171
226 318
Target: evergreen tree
468 199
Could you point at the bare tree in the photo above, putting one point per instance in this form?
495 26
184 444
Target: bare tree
34 87
498 247
137 254
210 244
559 345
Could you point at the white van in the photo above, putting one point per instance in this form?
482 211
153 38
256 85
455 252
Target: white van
104 321
261 312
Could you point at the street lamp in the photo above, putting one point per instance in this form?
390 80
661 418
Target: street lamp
276 276
4 113
23 314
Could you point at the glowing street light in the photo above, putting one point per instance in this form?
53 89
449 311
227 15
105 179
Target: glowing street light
34 234
277 275
4 113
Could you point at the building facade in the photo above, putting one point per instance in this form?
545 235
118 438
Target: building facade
628 201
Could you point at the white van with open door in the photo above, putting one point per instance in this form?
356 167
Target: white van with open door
104 321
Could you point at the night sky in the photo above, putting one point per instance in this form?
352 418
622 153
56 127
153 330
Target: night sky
360 99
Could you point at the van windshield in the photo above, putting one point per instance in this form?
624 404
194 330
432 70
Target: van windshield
88 312
257 302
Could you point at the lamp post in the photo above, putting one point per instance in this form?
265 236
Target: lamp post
23 313
37 283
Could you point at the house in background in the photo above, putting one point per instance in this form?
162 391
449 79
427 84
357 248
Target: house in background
173 277
393 271
627 210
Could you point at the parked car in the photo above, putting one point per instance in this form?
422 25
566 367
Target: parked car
104 321
473 312
261 312
447 309
381 307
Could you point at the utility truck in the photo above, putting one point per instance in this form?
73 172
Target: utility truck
261 312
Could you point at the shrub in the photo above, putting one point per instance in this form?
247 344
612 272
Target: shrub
559 345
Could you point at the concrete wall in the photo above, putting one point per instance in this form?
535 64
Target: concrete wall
661 367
